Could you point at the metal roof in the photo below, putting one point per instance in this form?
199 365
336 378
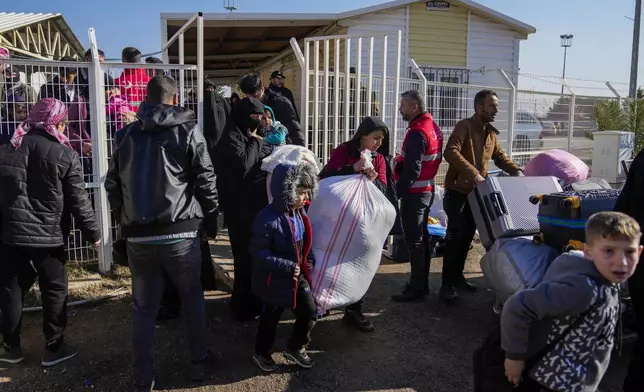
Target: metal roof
12 20
272 17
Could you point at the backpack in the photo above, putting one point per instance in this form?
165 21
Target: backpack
489 360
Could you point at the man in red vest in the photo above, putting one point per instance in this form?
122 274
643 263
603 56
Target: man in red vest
414 171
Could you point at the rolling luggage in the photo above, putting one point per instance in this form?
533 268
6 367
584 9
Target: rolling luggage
514 264
562 216
501 206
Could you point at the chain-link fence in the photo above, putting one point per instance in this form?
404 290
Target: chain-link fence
100 101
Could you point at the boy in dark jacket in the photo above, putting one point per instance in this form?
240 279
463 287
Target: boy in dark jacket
575 309
280 247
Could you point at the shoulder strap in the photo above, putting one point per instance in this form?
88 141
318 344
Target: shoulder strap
549 347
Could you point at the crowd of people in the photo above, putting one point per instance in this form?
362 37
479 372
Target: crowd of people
170 179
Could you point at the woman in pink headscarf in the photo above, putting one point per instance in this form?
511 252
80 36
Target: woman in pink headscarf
48 114
42 183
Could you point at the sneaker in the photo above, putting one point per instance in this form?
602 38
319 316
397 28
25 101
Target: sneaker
465 285
358 321
201 370
144 388
64 353
448 293
409 295
266 363
299 357
13 356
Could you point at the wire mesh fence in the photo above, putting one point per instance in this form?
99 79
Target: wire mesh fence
25 81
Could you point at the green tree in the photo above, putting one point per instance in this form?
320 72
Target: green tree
611 115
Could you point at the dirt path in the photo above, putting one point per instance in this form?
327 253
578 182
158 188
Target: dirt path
416 347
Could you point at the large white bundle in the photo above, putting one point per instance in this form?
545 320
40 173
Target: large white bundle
351 219
514 264
287 154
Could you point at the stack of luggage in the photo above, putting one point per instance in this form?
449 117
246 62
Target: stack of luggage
526 222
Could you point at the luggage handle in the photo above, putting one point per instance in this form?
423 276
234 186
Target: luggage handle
488 208
499 205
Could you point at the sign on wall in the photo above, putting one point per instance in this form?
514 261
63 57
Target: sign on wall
437 5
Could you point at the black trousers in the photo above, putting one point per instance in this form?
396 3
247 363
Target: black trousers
244 304
414 211
460 233
17 275
635 377
305 318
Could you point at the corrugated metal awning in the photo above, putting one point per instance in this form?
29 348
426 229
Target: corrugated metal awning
12 20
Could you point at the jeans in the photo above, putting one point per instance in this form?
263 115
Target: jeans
460 233
17 275
634 378
182 262
304 322
414 211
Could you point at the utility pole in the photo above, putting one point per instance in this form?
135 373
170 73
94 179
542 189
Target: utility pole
632 91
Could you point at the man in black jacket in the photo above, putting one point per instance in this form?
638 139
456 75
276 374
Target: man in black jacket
252 86
42 182
630 202
161 185
277 86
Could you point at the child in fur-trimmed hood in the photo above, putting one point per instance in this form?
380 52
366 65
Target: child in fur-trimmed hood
282 261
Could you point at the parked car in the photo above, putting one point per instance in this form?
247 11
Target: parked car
549 128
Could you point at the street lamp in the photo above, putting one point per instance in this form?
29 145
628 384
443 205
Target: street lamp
566 42
231 5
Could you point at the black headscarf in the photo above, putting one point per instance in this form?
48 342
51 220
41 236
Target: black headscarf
368 125
244 109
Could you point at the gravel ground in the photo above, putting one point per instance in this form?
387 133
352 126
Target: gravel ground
416 347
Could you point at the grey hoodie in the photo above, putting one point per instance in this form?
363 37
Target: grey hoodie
536 317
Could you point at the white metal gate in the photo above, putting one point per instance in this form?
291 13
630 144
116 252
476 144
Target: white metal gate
332 104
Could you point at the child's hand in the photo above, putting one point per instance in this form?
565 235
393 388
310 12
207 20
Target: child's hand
514 370
296 272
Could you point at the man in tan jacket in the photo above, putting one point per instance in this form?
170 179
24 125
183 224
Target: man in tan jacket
472 144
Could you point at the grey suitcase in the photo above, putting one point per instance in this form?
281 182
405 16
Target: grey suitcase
501 206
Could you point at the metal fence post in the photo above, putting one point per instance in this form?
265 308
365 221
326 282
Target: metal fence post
571 114
99 155
511 111
612 89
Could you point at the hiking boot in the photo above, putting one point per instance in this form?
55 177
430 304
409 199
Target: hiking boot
64 353
299 357
201 370
144 388
465 285
409 295
448 293
265 362
11 355
358 321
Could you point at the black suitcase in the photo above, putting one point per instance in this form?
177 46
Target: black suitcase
562 216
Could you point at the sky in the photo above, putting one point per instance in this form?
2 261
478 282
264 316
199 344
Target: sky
601 48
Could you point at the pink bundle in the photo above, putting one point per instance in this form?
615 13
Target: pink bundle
120 111
558 163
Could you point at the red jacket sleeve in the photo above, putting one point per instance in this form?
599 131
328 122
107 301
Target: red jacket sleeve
339 158
379 165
